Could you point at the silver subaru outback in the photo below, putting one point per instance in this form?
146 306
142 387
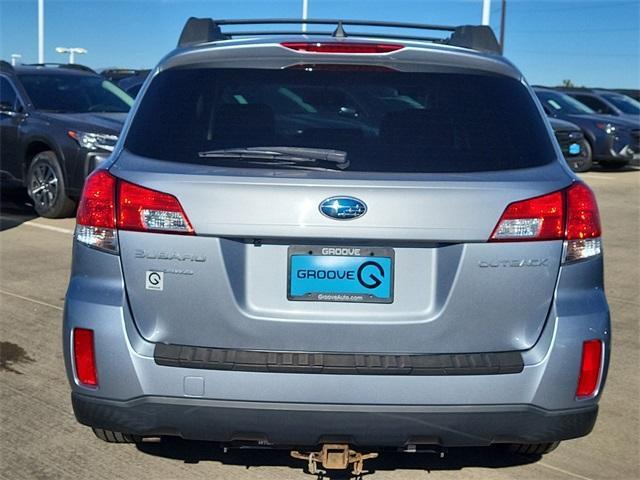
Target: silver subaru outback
337 242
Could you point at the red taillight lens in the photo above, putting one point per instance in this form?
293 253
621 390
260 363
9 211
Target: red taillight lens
97 206
143 209
108 204
342 47
539 218
570 215
589 368
583 219
84 357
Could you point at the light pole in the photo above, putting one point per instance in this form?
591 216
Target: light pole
71 51
40 31
15 57
486 11
503 21
305 13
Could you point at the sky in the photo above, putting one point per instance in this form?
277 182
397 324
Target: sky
593 43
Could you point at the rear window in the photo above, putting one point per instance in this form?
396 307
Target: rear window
383 121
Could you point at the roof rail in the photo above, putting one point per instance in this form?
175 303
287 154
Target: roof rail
204 30
71 66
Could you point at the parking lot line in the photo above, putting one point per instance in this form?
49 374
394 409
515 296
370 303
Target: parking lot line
28 299
598 176
34 223
561 470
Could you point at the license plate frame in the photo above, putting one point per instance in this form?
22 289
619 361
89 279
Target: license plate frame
380 267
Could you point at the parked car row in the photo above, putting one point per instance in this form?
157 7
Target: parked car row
59 121
610 122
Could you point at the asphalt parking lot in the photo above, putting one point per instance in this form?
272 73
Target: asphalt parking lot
40 439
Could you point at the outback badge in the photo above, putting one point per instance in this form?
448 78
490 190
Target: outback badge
343 208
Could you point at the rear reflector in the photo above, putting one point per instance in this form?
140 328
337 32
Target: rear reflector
342 47
109 204
570 215
84 357
589 368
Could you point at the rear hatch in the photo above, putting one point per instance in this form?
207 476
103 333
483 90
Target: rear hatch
340 211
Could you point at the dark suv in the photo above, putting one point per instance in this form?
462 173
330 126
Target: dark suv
57 122
613 140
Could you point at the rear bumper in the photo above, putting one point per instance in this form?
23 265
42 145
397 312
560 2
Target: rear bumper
281 424
138 395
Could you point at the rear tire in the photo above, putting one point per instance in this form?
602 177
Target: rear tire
533 449
46 187
613 165
115 437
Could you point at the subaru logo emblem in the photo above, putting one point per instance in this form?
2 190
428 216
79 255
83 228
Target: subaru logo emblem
343 208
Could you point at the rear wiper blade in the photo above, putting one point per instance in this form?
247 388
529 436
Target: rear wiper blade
283 156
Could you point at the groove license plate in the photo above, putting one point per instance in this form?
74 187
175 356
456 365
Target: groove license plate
340 274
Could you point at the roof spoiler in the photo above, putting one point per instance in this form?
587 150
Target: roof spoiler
197 31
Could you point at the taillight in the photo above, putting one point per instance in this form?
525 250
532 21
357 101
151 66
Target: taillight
108 204
84 357
147 210
590 366
539 218
583 232
342 47
96 217
570 215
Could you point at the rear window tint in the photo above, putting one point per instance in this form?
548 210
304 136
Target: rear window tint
385 121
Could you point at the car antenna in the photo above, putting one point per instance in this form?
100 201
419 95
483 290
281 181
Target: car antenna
339 31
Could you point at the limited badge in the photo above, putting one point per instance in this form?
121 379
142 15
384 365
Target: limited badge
154 280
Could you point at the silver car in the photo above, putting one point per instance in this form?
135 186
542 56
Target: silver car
337 243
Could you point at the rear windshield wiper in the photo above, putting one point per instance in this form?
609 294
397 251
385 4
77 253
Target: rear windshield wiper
300 157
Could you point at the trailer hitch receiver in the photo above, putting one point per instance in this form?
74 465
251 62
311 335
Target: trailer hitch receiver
334 456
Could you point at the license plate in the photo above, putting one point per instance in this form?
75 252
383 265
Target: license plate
341 274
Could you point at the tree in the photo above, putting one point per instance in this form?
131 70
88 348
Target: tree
568 83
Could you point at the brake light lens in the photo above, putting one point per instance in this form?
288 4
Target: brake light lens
583 219
97 207
570 215
84 357
590 367
583 224
342 47
96 216
109 204
143 209
539 218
